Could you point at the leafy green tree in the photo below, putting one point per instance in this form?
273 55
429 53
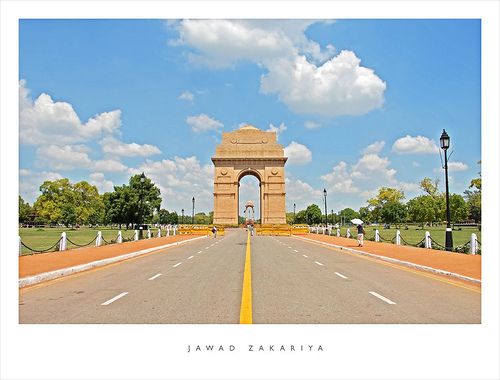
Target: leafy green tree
301 217
82 196
366 215
123 206
423 209
68 214
348 214
24 210
313 214
459 209
394 213
385 195
429 186
473 198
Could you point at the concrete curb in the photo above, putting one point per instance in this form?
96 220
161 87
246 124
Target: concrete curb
406 263
80 268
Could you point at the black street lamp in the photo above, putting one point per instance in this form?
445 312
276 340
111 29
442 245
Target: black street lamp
143 178
193 210
333 220
326 212
294 213
445 144
182 216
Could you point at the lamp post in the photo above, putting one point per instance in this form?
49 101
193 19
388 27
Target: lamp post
326 212
143 178
294 213
182 216
445 144
333 220
193 210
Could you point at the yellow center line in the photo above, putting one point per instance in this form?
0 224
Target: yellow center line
246 297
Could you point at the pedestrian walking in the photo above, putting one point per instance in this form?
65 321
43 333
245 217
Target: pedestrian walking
361 233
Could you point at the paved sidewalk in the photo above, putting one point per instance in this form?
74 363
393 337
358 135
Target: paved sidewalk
42 267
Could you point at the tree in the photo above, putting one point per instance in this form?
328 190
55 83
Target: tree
348 214
385 195
313 214
82 196
394 213
474 197
68 214
459 209
301 217
24 210
123 205
429 186
423 209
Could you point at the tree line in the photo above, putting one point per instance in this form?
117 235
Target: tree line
61 202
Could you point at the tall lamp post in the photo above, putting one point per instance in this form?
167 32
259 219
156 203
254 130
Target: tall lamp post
445 144
326 212
182 216
193 210
143 178
294 213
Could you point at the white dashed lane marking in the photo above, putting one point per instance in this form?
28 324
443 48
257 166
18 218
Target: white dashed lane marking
156 276
382 298
114 299
340 275
176 265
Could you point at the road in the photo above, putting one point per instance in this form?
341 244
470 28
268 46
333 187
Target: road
292 281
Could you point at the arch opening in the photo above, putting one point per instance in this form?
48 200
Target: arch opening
249 191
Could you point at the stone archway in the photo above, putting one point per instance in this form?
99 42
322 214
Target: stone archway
249 151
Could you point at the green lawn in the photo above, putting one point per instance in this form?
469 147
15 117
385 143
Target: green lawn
414 234
42 239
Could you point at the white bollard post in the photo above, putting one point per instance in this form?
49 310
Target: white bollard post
149 233
119 238
428 242
98 241
398 237
159 233
63 243
377 236
136 235
473 244
20 246
168 231
338 232
348 235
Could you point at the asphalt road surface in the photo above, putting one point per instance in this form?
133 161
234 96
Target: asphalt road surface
292 281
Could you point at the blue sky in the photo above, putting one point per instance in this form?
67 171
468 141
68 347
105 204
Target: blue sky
358 104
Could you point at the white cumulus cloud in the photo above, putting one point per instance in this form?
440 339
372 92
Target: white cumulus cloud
338 87
45 121
415 145
278 130
297 154
376 147
203 123
110 145
305 78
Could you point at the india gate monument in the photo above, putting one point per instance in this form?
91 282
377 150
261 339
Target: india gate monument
249 151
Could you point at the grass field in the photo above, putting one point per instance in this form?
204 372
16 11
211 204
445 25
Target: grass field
414 235
44 238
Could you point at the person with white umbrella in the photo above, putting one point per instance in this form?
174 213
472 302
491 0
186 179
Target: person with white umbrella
361 230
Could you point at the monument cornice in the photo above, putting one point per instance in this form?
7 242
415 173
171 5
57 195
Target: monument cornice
249 161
